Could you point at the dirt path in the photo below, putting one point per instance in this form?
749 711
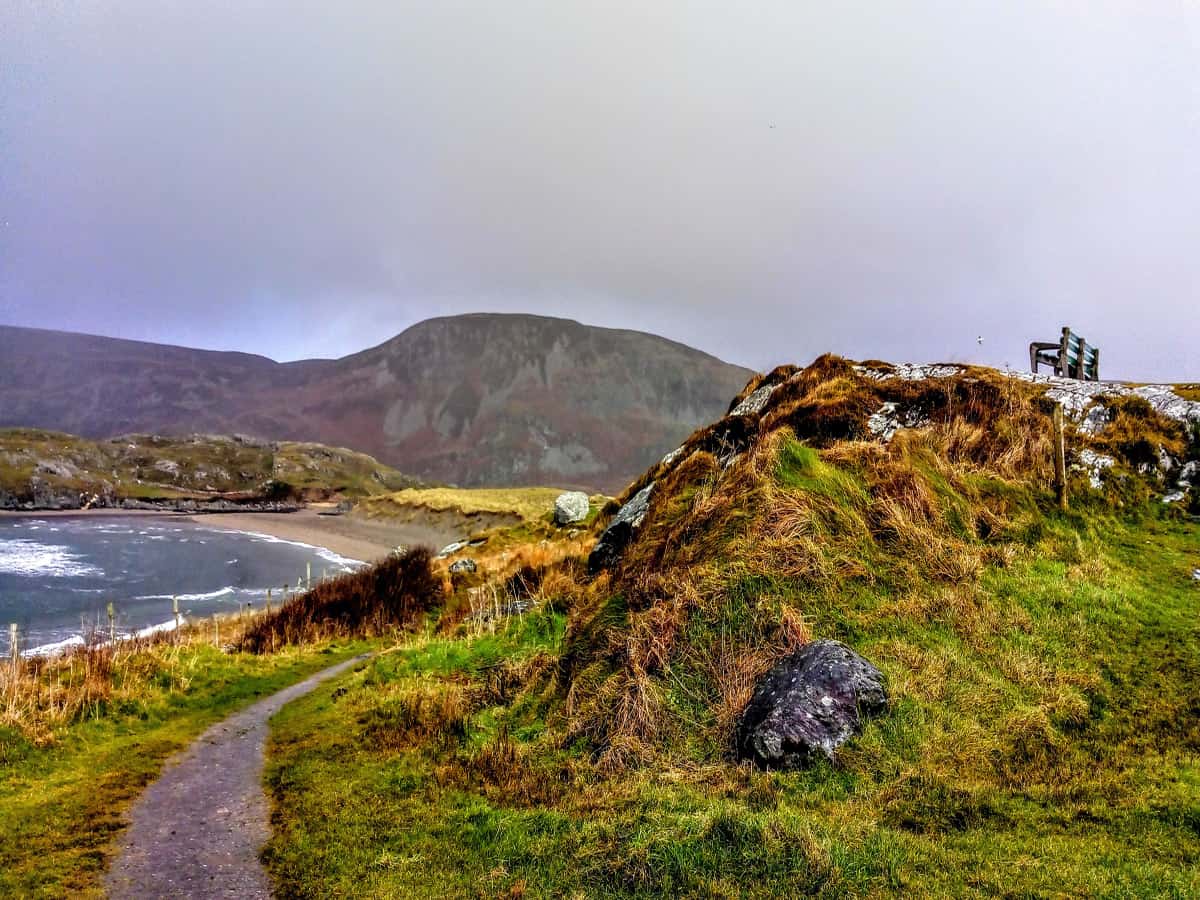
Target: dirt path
197 830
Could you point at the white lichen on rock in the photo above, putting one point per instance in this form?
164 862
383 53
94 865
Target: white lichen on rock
889 418
756 402
910 371
672 457
1080 398
1093 465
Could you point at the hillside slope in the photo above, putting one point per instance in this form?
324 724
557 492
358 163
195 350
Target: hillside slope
477 399
1043 728
48 470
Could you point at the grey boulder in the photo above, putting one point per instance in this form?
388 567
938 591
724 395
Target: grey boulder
808 705
570 508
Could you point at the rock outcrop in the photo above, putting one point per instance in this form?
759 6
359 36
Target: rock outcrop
808 705
620 531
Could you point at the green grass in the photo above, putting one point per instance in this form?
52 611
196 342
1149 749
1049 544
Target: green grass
61 806
1044 741
800 467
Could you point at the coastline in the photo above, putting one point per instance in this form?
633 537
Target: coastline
351 536
347 535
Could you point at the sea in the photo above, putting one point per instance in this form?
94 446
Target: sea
58 574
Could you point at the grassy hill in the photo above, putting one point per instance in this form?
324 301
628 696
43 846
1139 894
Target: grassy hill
1044 727
48 469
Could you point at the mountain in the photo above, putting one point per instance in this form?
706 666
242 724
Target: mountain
473 399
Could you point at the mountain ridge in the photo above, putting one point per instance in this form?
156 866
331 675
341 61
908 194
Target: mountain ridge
473 399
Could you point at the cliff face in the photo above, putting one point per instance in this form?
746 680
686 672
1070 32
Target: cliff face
477 399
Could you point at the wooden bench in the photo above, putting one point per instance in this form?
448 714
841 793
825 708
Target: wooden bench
1070 357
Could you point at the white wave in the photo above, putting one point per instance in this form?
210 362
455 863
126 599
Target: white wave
211 595
59 647
56 648
155 629
26 557
345 562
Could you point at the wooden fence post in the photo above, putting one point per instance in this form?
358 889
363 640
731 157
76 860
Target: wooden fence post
268 601
13 648
1060 458
308 576
112 625
216 631
175 612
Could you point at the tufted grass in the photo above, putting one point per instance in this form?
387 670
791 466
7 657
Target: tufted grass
1044 741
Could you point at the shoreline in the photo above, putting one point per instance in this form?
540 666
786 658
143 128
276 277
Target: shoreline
354 538
347 535
366 540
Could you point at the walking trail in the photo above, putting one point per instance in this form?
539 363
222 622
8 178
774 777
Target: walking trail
197 830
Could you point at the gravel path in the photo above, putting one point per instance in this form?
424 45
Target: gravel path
197 830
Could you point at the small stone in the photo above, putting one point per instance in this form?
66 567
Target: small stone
463 567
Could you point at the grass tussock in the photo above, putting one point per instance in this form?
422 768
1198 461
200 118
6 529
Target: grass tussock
375 601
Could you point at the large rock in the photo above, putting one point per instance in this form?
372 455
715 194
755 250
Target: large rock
620 531
571 507
808 705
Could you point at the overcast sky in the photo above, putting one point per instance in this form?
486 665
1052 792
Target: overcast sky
766 181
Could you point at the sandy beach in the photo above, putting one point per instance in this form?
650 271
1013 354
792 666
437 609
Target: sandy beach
349 535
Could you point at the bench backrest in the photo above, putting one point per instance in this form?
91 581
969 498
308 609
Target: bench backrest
1072 346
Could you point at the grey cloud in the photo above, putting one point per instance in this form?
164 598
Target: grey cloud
765 181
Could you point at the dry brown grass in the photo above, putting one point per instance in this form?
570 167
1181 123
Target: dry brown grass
436 712
1136 432
374 601
529 504
40 695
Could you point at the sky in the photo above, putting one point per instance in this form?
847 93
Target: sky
766 181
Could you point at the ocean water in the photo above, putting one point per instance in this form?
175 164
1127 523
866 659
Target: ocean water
57 574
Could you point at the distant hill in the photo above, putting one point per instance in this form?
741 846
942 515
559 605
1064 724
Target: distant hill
474 399
49 470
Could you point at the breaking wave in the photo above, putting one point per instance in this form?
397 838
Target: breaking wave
25 557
